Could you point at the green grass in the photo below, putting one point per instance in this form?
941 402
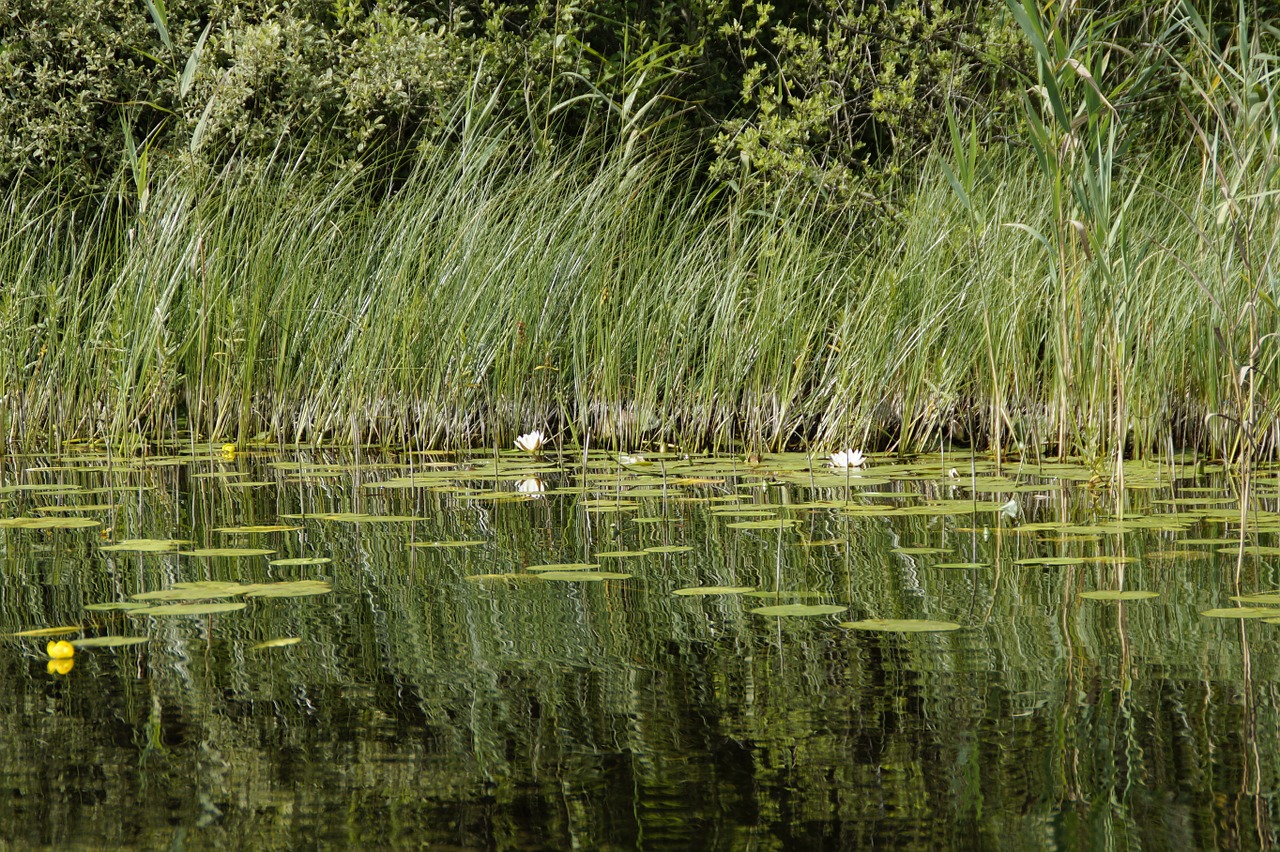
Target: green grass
1102 303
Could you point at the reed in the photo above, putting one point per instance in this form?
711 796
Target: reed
1037 306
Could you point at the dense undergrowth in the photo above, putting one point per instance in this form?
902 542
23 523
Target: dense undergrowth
1077 291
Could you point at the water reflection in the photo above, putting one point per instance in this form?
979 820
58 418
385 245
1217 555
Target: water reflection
424 708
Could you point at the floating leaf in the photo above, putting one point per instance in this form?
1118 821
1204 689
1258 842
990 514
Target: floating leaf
511 579
713 590
145 545
189 609
778 524
302 560
110 641
115 606
199 590
919 551
88 507
620 554
1242 612
1268 598
227 551
901 625
785 610
565 566
288 589
47 631
961 565
669 548
1051 561
256 528
1117 595
56 523
457 543
584 576
275 643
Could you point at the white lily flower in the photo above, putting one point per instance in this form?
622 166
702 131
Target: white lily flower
628 461
533 485
848 458
531 442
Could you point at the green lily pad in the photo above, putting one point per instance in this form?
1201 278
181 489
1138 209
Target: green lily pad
919 551
510 579
456 543
145 545
901 625
199 590
114 606
962 565
619 554
227 551
1242 612
302 560
669 548
788 610
777 524
1051 561
694 591
584 576
288 589
275 643
565 566
189 609
1118 595
55 523
110 641
47 631
256 528
1265 598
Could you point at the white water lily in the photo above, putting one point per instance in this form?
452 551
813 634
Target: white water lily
531 442
848 458
629 461
533 485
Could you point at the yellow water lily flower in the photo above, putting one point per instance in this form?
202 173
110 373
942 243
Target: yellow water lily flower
61 650
531 442
228 451
60 667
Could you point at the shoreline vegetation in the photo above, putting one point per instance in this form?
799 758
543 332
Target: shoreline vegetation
1055 267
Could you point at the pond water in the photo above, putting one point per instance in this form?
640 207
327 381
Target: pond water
505 652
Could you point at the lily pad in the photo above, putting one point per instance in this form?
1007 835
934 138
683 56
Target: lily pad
199 590
788 610
47 631
288 589
110 641
275 643
583 576
256 528
189 609
510 579
1118 595
227 551
302 560
145 545
1051 561
901 625
55 523
456 543
114 606
920 551
1242 612
669 548
693 591
565 566
962 565
620 554
777 524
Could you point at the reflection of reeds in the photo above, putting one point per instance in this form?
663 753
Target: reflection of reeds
623 303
